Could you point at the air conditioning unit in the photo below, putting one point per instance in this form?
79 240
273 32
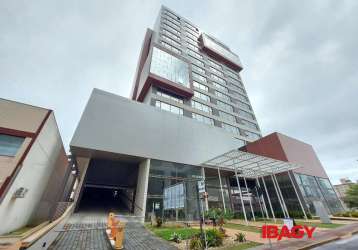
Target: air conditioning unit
20 192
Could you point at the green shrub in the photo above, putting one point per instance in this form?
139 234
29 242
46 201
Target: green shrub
195 243
240 237
175 237
347 214
213 238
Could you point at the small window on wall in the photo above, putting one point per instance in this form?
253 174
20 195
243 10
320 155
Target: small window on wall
9 145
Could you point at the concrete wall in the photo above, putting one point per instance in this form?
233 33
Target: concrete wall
34 175
21 117
118 125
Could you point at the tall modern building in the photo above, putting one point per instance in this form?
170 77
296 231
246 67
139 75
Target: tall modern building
189 119
186 71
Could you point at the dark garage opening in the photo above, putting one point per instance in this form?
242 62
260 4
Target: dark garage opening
109 187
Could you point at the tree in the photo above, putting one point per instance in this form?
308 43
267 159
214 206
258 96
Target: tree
351 198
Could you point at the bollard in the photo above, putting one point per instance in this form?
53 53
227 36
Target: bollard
114 228
118 244
109 220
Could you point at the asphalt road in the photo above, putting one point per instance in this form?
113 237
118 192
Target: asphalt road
345 244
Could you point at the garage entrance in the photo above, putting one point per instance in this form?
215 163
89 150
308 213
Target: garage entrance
109 185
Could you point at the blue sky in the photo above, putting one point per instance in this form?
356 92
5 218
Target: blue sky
300 61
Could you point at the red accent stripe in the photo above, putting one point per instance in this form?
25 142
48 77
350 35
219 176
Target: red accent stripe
15 132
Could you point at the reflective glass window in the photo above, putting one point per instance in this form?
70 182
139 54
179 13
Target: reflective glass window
9 145
169 67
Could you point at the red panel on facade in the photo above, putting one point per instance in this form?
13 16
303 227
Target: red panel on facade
284 148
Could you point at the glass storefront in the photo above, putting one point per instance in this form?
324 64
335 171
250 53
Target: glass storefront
215 196
172 191
173 194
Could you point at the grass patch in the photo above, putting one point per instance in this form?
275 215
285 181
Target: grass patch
242 246
318 224
243 227
20 231
166 232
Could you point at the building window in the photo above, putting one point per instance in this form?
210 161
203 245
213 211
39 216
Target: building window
171 35
225 106
231 129
199 77
203 119
171 15
169 67
220 87
191 27
200 86
232 75
189 31
227 117
193 47
235 83
201 107
168 107
9 145
249 124
221 95
201 96
172 22
214 64
251 135
196 61
246 114
198 69
218 79
194 54
240 90
170 47
187 34
216 71
242 98
171 97
168 39
171 29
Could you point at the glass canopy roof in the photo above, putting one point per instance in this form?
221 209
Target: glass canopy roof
250 165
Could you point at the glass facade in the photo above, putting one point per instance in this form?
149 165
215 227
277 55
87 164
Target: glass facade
203 119
169 107
318 189
172 191
169 67
9 145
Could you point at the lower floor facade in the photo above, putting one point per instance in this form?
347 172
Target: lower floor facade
143 187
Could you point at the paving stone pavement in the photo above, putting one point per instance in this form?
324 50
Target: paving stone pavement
88 232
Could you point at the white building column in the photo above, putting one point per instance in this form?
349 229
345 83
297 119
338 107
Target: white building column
268 198
222 191
278 197
242 201
247 190
142 189
283 200
206 199
263 199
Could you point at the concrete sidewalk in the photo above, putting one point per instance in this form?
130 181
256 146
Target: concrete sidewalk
320 238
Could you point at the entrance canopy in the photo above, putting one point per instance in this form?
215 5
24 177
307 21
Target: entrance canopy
250 165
